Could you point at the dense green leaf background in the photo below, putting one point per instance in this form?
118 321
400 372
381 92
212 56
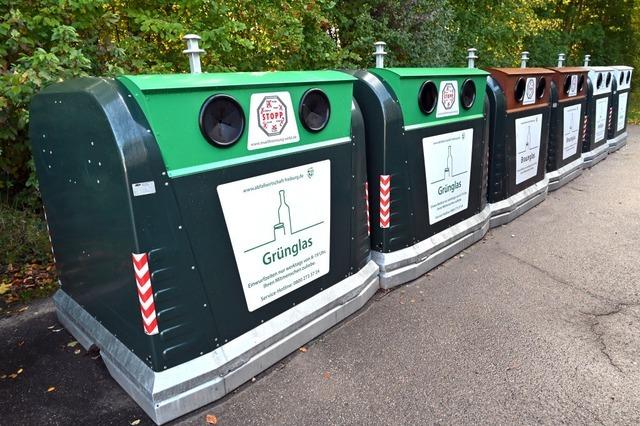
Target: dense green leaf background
43 41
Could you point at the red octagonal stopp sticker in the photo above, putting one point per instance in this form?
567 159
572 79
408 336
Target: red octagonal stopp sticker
272 115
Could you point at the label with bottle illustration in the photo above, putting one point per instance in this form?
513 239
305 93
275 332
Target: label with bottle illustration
447 165
528 132
279 225
622 111
600 121
571 124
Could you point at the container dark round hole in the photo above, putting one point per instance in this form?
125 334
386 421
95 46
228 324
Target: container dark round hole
315 110
628 76
427 97
221 120
608 79
468 94
580 83
520 86
599 81
542 86
567 84
621 78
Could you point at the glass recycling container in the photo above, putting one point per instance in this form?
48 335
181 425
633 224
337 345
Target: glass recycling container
621 90
427 163
595 147
204 225
520 110
566 129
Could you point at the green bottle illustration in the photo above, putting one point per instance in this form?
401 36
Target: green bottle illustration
284 214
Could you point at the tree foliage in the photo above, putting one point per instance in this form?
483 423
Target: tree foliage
44 41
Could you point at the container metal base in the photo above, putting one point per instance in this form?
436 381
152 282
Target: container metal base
565 174
594 156
171 393
506 210
407 264
617 142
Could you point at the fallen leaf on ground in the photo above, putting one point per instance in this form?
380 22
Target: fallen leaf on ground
72 344
23 309
21 343
57 330
13 375
211 419
326 375
51 327
303 349
135 422
51 389
77 351
20 370
4 376
4 288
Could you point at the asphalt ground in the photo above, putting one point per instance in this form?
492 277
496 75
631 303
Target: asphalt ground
537 323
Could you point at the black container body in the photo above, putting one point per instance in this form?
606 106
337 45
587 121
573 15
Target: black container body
557 155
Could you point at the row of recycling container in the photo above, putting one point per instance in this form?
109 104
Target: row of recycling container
206 225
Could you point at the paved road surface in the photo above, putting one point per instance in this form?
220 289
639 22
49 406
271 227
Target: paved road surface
537 323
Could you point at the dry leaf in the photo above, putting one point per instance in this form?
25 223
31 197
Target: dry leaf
135 422
303 349
211 419
20 370
326 375
72 344
23 309
77 351
51 389
4 376
4 288
51 327
13 375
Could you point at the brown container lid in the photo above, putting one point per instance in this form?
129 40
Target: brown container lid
517 85
569 89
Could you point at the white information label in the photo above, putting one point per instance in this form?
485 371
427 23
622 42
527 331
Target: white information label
447 164
448 103
573 88
143 188
601 118
529 92
528 131
279 225
571 131
272 121
622 110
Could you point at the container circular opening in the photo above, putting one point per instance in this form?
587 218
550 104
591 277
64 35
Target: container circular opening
542 87
580 83
608 79
599 81
519 90
567 84
221 120
427 97
315 110
621 78
468 94
628 76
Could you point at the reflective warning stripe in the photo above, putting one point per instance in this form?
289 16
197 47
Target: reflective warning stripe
145 293
610 115
385 201
366 200
584 128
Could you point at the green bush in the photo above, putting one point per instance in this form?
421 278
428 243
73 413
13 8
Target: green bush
23 237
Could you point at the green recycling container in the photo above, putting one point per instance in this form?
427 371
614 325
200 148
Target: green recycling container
621 90
598 115
427 164
566 129
520 105
204 225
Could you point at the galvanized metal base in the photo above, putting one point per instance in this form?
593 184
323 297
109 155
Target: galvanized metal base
404 265
169 394
617 142
506 210
595 156
564 174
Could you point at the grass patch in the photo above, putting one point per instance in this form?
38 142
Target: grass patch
633 115
27 269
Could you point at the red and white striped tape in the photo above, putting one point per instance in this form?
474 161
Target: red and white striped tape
610 116
145 293
584 128
366 200
385 201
